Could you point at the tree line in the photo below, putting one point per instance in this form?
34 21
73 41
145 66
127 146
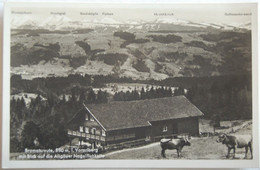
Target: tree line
151 93
62 85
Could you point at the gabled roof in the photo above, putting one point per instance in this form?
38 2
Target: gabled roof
130 114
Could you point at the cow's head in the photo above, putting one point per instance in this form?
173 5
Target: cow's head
222 138
186 142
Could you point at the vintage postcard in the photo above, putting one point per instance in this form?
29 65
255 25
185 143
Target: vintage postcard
130 85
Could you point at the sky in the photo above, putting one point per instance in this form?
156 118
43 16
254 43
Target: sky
199 13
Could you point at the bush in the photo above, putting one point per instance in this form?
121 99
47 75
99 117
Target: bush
140 66
29 133
112 58
170 38
15 145
125 35
76 62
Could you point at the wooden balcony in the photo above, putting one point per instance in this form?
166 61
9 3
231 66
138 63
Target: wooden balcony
86 135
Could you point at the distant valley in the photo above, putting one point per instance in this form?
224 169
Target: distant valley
139 50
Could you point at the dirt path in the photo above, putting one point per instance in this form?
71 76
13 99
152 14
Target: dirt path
132 149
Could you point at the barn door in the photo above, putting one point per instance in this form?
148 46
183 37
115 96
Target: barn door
175 128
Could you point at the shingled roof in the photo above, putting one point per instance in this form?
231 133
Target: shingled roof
130 114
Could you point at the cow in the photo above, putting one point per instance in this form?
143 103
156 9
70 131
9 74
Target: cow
236 141
171 144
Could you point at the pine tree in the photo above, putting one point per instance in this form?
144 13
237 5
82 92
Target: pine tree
115 97
73 97
29 133
143 96
51 100
168 92
136 95
91 96
105 95
102 97
82 96
38 99
151 93
22 103
127 96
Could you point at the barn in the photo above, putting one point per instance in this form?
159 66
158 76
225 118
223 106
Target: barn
115 122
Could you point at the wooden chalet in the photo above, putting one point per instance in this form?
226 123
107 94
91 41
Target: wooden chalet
105 124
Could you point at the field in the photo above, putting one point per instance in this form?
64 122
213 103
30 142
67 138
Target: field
201 147
146 55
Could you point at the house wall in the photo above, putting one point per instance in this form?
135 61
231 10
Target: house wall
190 126
94 132
123 135
175 126
91 123
157 128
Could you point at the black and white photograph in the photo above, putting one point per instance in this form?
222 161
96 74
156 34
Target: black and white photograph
106 82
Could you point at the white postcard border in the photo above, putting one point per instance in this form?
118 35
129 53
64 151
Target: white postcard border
6 163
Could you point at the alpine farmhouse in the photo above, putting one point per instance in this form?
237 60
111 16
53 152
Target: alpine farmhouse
116 122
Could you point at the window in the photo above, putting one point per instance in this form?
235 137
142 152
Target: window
86 129
69 132
165 129
86 117
147 138
93 131
81 128
91 119
98 132
103 133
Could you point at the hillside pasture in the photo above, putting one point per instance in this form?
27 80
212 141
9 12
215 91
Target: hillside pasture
201 148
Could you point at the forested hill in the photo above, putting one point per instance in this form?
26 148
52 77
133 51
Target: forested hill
138 54
202 91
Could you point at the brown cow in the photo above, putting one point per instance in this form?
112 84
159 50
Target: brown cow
236 141
177 144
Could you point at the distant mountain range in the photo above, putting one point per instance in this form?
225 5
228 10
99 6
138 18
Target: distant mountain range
61 22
